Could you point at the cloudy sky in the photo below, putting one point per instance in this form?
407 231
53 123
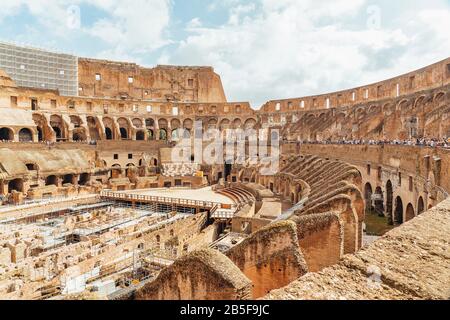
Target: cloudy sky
263 49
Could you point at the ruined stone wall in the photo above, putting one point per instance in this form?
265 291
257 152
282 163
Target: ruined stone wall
400 265
321 239
270 257
430 77
419 176
117 79
202 275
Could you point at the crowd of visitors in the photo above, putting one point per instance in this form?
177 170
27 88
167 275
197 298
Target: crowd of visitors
434 143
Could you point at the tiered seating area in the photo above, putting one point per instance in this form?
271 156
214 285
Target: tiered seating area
239 195
330 187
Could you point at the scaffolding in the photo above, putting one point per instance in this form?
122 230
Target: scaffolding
41 69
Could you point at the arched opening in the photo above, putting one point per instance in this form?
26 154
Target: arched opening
398 215
155 162
108 134
93 128
162 134
79 136
68 179
32 166
140 135
25 135
116 171
175 134
368 197
378 202
59 127
58 133
131 168
51 180
6 134
15 185
40 134
151 135
420 206
123 133
409 215
84 179
389 200
149 122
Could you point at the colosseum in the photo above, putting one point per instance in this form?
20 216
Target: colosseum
342 195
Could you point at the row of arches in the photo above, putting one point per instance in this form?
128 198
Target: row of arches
394 209
82 180
24 134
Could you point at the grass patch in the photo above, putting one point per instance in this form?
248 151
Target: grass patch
376 225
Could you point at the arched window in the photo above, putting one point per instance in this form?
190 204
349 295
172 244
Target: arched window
25 135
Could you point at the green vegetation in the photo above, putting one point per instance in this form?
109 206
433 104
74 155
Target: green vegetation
376 225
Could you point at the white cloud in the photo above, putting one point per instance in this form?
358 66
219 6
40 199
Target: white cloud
137 26
290 48
128 27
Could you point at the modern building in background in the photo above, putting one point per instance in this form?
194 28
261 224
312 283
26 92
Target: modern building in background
40 69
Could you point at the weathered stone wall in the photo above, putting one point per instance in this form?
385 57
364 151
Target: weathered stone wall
321 239
409 262
202 275
191 84
270 257
427 78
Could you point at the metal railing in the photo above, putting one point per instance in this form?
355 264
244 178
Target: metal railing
159 199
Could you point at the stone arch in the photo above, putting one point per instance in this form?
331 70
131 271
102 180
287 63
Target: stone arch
188 124
224 124
162 134
250 123
420 206
419 101
109 128
25 135
389 201
237 123
374 109
76 121
15 185
150 134
149 123
124 128
51 180
368 196
84 179
438 97
93 127
140 135
116 171
175 124
398 213
403 105
212 123
109 134
137 123
409 214
42 126
162 123
67 179
378 202
6 134
79 135
58 125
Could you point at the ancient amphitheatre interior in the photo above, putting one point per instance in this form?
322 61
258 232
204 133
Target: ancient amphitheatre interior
93 205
